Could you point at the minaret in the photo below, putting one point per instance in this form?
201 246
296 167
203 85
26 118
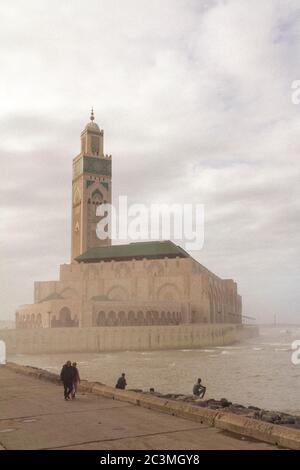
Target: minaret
91 186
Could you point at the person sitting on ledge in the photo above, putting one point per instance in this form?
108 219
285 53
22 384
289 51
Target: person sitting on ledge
199 390
121 384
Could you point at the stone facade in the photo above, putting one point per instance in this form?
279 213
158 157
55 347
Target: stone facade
137 292
151 287
128 338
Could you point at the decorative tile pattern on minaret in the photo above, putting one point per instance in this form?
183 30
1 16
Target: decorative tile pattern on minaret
91 186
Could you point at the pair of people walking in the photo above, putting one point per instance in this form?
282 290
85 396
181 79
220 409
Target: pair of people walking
70 378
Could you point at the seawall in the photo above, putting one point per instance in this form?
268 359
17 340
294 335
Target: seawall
282 436
140 338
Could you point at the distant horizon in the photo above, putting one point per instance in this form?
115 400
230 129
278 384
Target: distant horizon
253 324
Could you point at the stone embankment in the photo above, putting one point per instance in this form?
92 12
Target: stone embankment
274 417
272 427
124 338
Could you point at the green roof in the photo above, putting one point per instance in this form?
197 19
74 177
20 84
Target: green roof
138 250
100 297
52 296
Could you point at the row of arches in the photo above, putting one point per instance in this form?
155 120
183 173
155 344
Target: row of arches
32 320
29 320
64 319
166 292
136 318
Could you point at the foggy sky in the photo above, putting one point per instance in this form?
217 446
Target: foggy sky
195 101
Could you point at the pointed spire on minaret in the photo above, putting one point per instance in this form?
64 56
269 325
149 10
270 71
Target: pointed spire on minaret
92 126
92 115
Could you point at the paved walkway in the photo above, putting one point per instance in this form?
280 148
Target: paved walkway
34 415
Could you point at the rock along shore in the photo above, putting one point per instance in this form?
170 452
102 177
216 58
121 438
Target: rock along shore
274 427
275 417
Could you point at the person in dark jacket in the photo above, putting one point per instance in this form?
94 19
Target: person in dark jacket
199 389
121 382
76 380
67 378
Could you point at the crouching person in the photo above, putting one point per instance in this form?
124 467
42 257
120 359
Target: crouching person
199 389
121 383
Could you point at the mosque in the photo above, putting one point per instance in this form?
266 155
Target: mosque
138 284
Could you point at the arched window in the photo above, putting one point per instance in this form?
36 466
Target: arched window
39 320
112 319
149 320
163 318
101 319
155 317
131 318
140 318
64 319
122 318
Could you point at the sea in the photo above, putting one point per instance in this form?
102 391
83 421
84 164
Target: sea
261 371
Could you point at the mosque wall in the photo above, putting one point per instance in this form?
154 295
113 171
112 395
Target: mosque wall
132 293
129 338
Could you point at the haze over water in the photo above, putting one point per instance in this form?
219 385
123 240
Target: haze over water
256 372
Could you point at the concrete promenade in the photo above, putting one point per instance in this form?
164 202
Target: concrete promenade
34 415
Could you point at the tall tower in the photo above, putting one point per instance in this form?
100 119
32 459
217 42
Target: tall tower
91 186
